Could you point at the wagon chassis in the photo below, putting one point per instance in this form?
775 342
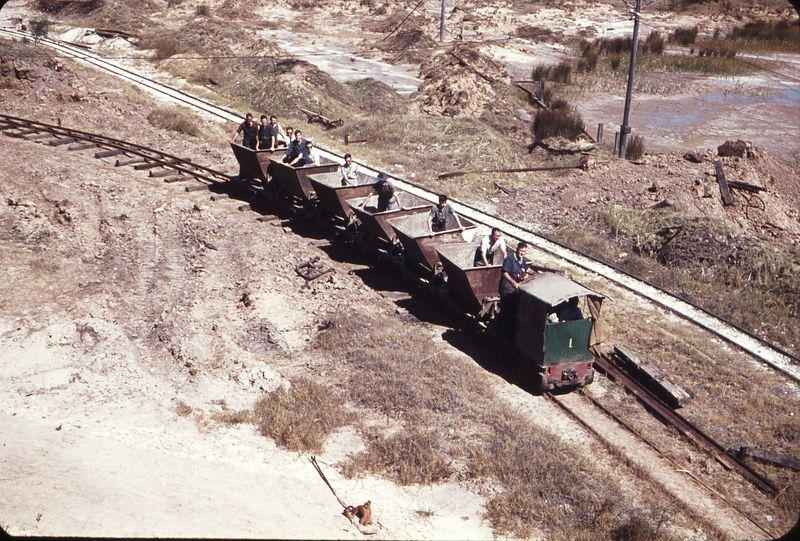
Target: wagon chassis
206 178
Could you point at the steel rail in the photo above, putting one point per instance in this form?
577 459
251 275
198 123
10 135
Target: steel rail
164 159
146 82
560 403
765 351
687 428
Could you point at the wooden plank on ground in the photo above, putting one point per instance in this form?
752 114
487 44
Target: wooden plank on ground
62 141
108 153
673 393
84 146
769 457
727 198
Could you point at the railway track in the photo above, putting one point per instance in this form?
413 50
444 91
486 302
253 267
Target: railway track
763 350
568 405
160 164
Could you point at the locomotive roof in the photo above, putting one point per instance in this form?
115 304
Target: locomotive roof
553 289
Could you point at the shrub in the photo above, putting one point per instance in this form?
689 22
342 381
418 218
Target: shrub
763 31
560 73
654 44
684 36
559 121
40 28
635 148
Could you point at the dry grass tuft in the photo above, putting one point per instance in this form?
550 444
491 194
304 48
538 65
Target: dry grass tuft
414 456
561 120
301 417
398 374
179 119
183 409
232 417
560 73
635 148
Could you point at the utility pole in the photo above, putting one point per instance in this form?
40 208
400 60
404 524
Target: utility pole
441 24
623 134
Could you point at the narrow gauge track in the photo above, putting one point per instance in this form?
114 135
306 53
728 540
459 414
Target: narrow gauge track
145 158
722 457
765 351
33 131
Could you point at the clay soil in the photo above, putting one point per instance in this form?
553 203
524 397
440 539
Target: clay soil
133 315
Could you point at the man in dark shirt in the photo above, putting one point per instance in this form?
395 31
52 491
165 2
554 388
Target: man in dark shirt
515 270
249 131
569 311
297 152
442 217
268 133
385 192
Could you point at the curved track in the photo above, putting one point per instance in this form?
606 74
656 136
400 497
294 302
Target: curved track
747 341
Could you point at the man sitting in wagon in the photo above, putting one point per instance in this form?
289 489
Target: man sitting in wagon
297 152
442 217
490 245
387 200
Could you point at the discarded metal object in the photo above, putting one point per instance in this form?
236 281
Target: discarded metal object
348 141
677 229
310 270
665 412
746 187
522 170
319 119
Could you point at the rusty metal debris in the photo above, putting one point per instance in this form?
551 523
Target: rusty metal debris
348 141
311 270
522 170
318 118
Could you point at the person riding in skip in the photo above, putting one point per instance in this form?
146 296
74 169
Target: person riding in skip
442 217
297 152
387 200
515 269
313 154
349 171
491 245
269 133
249 131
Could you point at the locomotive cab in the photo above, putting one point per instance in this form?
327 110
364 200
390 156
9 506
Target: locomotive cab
554 338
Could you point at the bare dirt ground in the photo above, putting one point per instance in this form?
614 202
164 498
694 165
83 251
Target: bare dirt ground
124 299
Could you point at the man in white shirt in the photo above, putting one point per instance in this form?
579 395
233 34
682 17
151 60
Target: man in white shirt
490 245
313 154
